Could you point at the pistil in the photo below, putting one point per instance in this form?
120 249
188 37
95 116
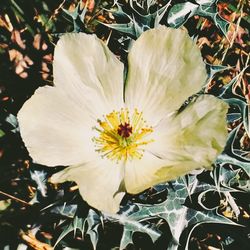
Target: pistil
122 136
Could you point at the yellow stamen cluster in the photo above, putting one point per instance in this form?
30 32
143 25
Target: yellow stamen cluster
122 136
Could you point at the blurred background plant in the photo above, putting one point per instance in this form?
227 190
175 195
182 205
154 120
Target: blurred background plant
209 210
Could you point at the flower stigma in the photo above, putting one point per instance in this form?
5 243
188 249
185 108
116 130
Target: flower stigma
122 136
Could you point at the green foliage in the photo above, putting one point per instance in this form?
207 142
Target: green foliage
176 16
65 210
180 13
172 210
40 177
88 225
77 16
132 221
137 22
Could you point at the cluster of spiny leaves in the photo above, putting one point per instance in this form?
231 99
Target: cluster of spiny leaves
208 209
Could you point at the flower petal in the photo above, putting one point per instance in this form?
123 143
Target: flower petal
197 134
54 129
89 73
55 123
98 182
151 170
140 174
184 142
165 68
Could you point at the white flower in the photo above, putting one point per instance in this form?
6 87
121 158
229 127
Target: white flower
115 139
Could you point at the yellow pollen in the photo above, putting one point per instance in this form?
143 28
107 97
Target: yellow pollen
122 136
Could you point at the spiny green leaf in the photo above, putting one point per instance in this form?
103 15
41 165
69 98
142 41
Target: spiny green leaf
246 119
92 221
137 22
226 159
203 2
126 238
210 10
180 13
209 217
231 149
126 28
40 178
228 92
65 210
77 16
221 23
231 178
213 69
76 224
233 117
132 220
173 211
12 120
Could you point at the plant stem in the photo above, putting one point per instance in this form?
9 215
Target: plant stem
15 198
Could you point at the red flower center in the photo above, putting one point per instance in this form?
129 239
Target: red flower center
124 130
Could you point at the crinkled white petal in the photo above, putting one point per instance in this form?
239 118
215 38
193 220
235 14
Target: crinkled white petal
184 142
140 174
56 123
197 134
89 73
55 130
152 170
98 183
165 67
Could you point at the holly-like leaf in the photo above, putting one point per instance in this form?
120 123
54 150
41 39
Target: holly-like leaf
210 10
133 221
137 23
12 121
180 13
91 222
179 216
172 210
126 28
77 16
208 217
235 152
213 69
246 119
233 117
40 177
65 210
226 159
232 178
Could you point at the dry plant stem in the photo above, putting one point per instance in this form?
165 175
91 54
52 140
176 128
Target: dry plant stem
31 241
233 204
231 42
56 11
15 198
